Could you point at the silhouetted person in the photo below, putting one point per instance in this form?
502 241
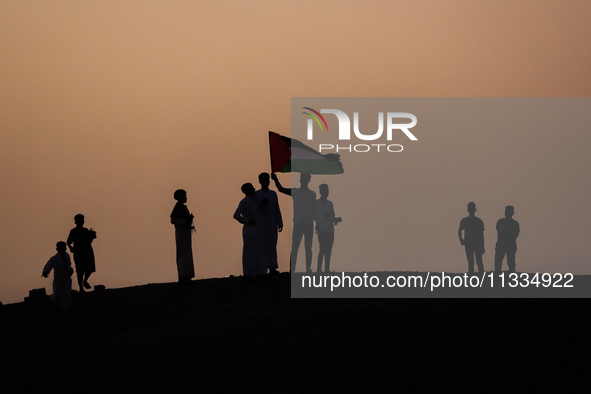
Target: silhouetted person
62 272
325 222
253 255
303 218
183 226
507 233
270 221
473 240
82 239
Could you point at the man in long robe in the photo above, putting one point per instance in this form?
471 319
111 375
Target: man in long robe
253 255
270 221
62 272
183 225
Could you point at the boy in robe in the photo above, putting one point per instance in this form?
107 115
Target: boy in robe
62 271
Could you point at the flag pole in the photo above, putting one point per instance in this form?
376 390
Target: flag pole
270 152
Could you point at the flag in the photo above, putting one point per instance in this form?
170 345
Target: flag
289 155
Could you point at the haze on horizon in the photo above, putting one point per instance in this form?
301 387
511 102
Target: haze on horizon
108 107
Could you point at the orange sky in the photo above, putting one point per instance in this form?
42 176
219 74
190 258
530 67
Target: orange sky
108 107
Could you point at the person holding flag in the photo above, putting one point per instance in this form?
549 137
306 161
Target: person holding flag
304 200
290 155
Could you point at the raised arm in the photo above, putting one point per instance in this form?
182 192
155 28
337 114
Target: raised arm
278 185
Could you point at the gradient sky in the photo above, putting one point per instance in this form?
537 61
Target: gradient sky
108 107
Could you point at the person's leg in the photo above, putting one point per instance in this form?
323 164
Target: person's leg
308 238
80 276
479 261
511 260
320 251
320 256
470 257
86 276
328 252
499 255
296 238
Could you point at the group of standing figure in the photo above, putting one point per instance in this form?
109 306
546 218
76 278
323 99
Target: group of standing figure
80 244
259 213
261 220
307 210
473 240
260 216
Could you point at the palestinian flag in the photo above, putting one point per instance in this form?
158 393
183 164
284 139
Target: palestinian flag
289 155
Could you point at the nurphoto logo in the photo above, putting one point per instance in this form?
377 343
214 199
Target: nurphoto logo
344 132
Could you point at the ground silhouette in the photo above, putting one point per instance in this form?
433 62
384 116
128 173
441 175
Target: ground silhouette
225 335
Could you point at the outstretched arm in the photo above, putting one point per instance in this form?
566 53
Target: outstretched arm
278 185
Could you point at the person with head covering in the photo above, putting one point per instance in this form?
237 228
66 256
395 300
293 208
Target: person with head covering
183 228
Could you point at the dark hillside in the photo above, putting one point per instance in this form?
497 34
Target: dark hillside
224 335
